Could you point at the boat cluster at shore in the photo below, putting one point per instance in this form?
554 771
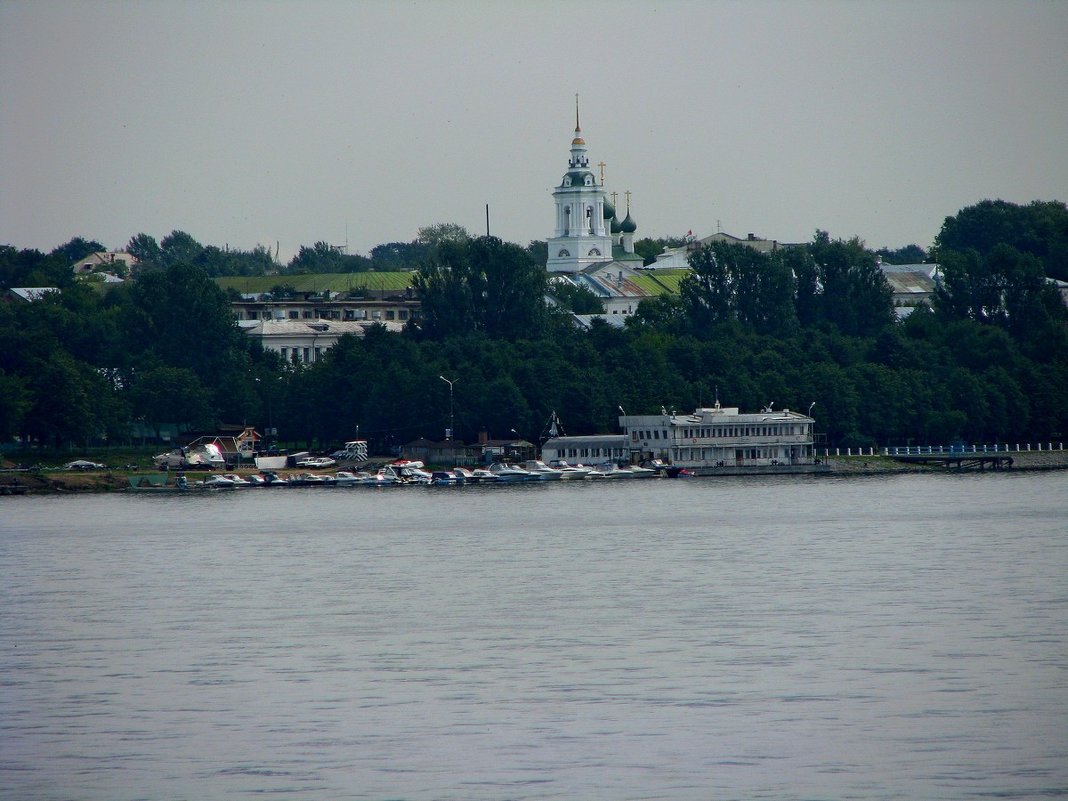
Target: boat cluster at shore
414 473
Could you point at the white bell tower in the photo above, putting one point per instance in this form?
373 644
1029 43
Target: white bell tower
581 238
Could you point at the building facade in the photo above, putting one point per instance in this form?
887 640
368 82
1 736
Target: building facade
722 437
302 342
706 441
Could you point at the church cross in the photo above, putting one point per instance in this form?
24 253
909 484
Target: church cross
602 165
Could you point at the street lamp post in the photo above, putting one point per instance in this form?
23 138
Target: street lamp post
448 434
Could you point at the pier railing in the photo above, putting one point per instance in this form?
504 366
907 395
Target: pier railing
947 450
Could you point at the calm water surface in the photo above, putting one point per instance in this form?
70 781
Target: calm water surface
842 638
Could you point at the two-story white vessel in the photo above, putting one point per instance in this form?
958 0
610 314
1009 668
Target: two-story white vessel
720 440
723 439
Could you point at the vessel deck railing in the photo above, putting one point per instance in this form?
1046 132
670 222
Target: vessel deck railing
963 450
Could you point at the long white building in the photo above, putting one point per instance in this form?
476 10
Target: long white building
707 441
722 437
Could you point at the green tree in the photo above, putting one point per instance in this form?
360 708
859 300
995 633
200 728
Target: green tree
77 248
735 282
433 235
481 285
145 249
909 254
393 256
14 404
170 395
178 247
62 401
576 299
1039 229
325 258
854 294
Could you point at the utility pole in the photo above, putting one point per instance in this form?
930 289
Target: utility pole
448 432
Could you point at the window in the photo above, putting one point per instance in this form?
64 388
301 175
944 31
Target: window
402 314
563 254
294 314
318 353
390 314
284 353
594 252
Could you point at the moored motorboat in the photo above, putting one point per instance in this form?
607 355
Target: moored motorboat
346 478
510 472
542 471
611 470
309 480
217 482
570 471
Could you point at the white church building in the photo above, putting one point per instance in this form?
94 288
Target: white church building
588 233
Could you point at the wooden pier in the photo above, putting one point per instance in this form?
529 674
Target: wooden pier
959 461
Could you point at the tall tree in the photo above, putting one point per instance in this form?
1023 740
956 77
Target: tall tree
145 249
178 247
77 248
482 285
855 295
1039 229
736 282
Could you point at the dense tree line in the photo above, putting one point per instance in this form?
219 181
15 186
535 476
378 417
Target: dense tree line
989 361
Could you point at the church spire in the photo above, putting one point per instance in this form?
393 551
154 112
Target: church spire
581 238
578 141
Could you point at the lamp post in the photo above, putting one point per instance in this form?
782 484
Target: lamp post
448 434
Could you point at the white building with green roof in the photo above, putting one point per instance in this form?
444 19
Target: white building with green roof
588 235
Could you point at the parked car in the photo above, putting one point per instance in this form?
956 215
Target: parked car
84 464
317 462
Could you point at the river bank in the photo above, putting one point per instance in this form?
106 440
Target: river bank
40 482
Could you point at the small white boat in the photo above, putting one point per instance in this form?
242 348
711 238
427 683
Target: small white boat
238 481
464 476
642 472
346 478
408 471
485 476
511 472
217 482
308 480
570 471
542 471
611 470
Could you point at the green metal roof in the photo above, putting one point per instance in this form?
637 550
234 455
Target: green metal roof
319 282
660 282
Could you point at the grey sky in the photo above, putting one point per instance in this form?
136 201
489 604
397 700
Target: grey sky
292 122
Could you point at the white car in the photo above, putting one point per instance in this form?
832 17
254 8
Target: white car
317 462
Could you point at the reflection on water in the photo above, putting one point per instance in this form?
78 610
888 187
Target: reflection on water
866 638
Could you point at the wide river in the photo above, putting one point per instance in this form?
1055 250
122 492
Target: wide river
888 637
